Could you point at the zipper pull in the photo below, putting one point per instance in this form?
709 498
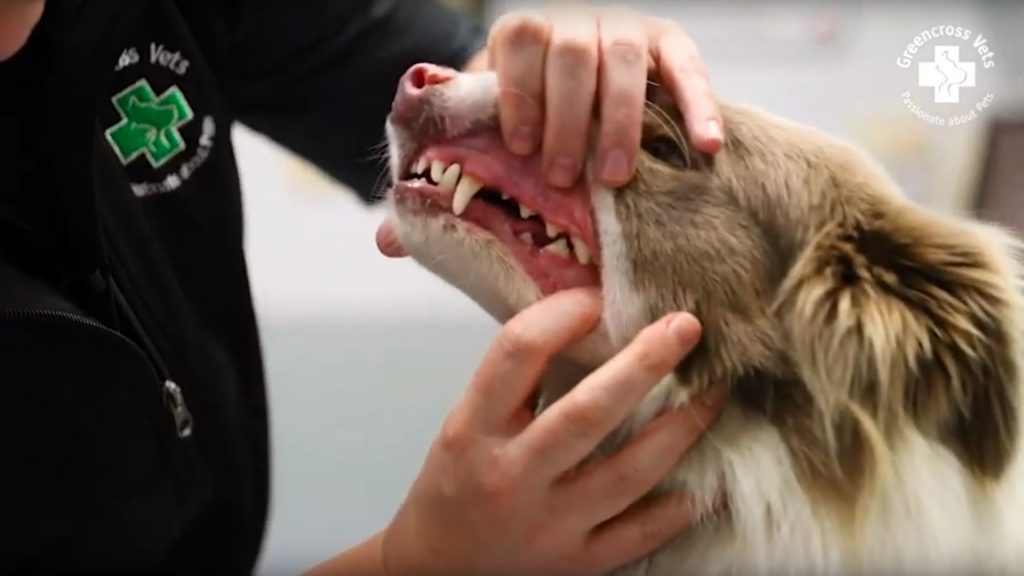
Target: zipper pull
175 402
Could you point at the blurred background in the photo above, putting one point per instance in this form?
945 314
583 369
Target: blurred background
365 354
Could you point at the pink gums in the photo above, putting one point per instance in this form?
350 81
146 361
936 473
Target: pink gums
484 157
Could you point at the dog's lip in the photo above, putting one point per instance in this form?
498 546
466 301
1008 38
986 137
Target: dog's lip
483 156
432 195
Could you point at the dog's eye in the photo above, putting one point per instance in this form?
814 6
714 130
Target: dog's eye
666 149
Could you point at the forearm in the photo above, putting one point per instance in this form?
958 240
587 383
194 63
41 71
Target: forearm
362 560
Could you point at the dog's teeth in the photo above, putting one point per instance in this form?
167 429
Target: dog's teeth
437 170
581 251
552 230
525 212
560 247
464 192
504 196
450 178
421 166
525 238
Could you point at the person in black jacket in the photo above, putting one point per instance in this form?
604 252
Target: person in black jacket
134 433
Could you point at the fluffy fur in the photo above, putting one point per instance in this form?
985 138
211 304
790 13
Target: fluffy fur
873 348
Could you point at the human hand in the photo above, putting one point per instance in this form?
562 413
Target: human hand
503 491
553 66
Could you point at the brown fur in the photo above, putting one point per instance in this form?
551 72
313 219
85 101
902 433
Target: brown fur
836 309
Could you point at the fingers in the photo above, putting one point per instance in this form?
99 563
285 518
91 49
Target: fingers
572 427
683 72
570 85
517 358
641 530
517 50
607 487
551 66
623 84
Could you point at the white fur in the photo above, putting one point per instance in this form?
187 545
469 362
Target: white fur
624 314
467 100
473 262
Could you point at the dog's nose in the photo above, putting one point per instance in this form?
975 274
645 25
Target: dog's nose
414 87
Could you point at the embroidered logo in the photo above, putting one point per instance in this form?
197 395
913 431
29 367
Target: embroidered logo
149 123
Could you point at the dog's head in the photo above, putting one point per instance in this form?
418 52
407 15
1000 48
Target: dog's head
835 309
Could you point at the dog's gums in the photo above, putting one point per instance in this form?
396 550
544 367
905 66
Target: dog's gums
474 179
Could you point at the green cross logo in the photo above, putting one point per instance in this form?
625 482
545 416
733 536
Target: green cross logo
149 124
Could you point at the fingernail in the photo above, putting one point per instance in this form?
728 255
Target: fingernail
686 329
714 396
715 130
616 167
562 172
522 140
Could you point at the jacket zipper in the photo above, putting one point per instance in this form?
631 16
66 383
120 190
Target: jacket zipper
174 399
172 396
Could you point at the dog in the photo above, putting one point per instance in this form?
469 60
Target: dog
872 347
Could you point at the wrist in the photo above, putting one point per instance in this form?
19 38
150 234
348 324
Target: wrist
394 553
404 552
365 559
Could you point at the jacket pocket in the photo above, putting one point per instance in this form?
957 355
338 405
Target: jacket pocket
100 478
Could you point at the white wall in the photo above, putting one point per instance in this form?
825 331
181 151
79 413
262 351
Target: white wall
365 354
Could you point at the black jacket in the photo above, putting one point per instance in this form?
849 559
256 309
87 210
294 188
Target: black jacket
134 427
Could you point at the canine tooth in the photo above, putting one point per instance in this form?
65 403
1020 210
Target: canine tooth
559 247
552 230
525 212
464 192
504 196
421 166
437 170
525 238
450 178
581 250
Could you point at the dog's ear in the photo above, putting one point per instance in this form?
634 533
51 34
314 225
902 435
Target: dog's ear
912 319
